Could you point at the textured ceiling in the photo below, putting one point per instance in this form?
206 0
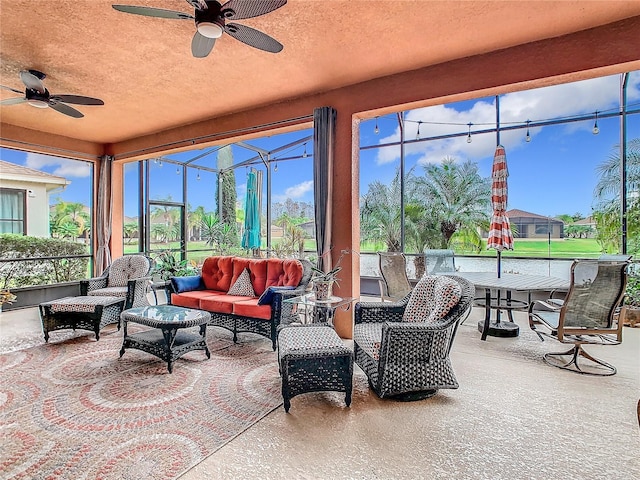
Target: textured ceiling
144 71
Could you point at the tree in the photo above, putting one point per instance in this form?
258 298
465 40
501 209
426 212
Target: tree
380 213
606 211
227 184
458 196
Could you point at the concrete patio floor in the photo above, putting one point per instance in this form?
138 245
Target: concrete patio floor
513 417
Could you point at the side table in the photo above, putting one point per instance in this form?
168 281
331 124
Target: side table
322 311
168 339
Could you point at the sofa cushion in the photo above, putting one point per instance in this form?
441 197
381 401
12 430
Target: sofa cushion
267 297
250 308
242 286
283 272
187 284
431 299
192 299
217 273
221 303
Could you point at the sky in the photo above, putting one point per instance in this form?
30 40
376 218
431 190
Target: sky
555 173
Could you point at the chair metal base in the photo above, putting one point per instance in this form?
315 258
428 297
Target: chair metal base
603 368
413 396
500 329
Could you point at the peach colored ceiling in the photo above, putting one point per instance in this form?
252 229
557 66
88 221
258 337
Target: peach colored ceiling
143 69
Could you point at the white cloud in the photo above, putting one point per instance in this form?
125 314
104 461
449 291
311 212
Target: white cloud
296 191
546 103
61 167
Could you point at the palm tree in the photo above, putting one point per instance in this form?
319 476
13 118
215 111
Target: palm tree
380 213
606 211
457 194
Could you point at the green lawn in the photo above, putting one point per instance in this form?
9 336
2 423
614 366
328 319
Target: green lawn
567 248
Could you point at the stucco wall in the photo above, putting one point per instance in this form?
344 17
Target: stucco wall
37 206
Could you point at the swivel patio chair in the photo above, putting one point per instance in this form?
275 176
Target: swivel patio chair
586 316
403 347
394 284
127 277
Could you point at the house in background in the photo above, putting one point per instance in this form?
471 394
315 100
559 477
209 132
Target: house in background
24 199
532 225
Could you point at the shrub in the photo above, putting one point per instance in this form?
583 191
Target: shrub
39 271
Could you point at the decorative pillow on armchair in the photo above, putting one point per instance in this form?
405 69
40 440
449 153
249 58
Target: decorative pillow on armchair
431 299
242 286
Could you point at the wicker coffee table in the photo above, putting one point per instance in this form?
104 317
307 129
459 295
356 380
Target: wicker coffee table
168 339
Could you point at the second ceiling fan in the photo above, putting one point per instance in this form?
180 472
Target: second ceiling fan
211 21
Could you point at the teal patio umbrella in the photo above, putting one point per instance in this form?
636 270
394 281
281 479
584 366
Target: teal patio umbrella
251 234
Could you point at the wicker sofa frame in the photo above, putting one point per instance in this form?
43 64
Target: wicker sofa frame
413 358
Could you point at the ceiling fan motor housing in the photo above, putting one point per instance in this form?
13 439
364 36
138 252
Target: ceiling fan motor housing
209 22
37 99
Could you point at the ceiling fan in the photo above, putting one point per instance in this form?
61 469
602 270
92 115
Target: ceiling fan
210 18
38 96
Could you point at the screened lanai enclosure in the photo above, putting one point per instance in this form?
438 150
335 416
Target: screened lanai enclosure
573 155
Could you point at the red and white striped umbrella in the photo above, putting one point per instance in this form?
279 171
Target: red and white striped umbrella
500 236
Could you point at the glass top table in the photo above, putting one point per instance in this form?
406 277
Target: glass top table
319 311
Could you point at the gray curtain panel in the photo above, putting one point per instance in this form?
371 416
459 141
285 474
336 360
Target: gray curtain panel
324 126
103 216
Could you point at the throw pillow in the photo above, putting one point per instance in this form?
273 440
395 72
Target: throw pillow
419 305
242 285
187 284
267 297
431 299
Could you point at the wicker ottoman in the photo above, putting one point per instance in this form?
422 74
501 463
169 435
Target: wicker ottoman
86 313
313 358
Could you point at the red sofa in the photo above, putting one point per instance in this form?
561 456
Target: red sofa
241 313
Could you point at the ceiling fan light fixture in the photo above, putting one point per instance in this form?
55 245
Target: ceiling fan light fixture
210 29
34 102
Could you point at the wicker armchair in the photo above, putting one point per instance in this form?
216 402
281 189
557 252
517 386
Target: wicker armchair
585 316
126 277
412 361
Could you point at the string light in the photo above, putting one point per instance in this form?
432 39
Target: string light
304 154
376 130
177 170
198 176
469 134
418 131
275 167
596 130
528 137
159 162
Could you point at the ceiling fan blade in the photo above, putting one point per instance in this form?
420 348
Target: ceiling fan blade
13 101
201 46
253 38
66 109
77 99
153 12
241 9
31 81
12 89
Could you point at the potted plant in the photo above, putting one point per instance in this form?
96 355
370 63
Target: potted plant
6 297
323 281
167 266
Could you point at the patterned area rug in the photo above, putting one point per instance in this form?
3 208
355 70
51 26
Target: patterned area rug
74 409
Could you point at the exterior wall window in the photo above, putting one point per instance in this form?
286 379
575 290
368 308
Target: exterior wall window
12 211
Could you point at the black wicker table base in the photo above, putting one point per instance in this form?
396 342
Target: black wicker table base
168 340
82 312
313 358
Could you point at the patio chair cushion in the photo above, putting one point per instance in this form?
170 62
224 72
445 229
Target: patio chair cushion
369 337
129 267
431 299
242 286
109 292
